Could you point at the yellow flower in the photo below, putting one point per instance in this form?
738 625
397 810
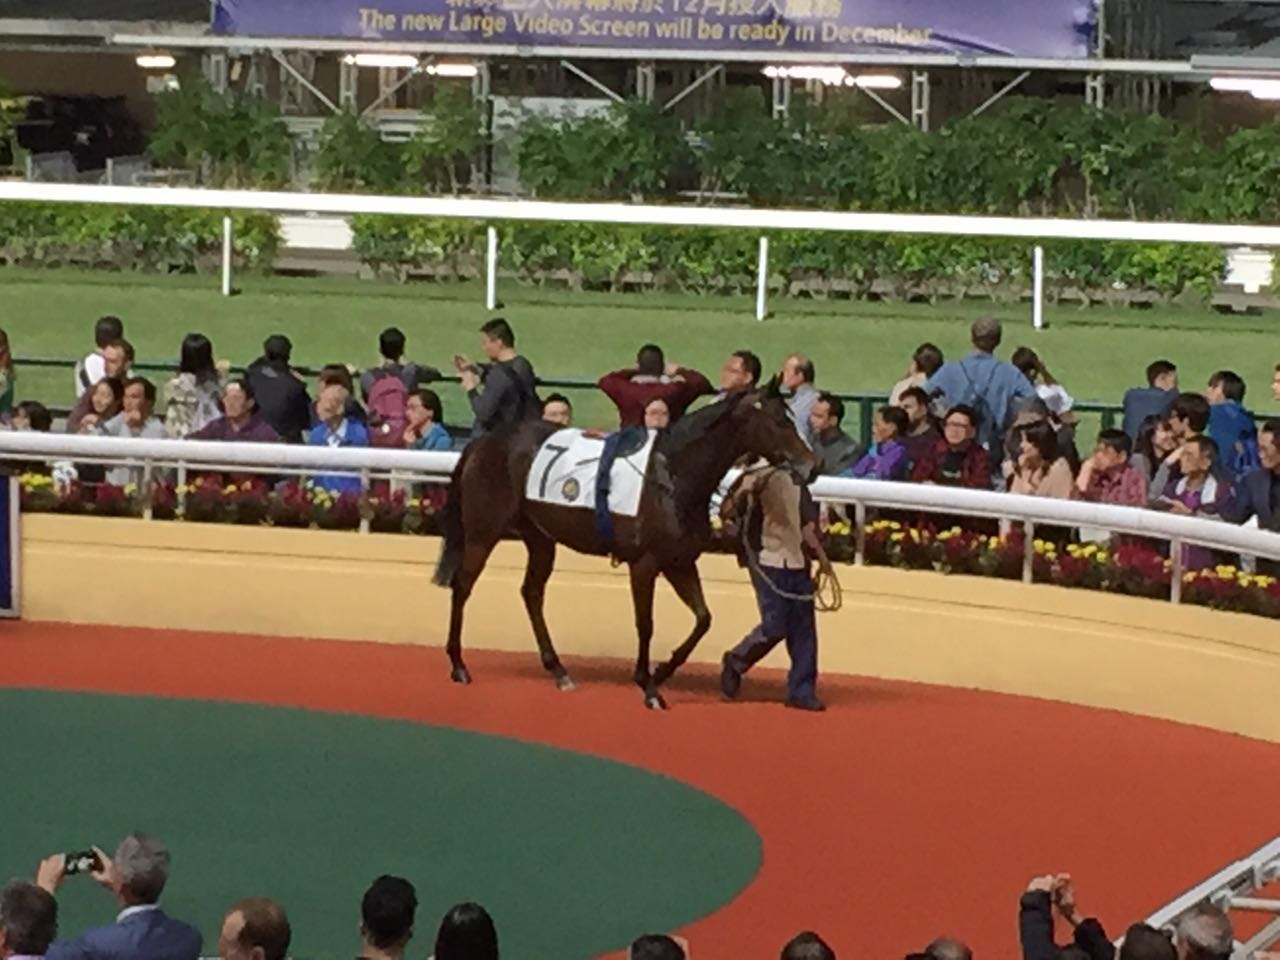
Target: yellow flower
1103 556
1225 570
897 537
247 485
229 488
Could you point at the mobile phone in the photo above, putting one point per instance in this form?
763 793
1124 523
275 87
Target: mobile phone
82 861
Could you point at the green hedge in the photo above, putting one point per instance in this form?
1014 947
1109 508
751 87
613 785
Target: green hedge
166 239
712 260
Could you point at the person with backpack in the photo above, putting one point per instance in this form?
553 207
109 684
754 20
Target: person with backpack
1231 425
991 387
386 389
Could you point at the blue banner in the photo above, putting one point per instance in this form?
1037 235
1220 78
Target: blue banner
8 544
1020 28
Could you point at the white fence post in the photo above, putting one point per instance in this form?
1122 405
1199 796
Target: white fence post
491 272
227 237
762 279
1037 288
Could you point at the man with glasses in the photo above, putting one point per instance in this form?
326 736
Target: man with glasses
956 459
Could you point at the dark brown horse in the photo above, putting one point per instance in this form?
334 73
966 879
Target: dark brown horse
672 526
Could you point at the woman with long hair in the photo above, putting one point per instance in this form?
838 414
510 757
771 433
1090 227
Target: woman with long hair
7 375
193 396
1041 470
1154 446
466 933
105 400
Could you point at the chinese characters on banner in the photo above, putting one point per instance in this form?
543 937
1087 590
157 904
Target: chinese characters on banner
1025 28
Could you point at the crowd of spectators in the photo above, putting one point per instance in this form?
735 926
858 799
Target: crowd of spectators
977 422
258 928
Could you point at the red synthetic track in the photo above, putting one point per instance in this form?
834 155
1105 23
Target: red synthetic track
904 812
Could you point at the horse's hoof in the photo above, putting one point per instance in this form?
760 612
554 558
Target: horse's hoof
566 683
654 701
460 675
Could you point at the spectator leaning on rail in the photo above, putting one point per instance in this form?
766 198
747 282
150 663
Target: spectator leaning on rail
92 368
134 421
28 921
797 378
836 450
191 397
1258 494
1041 470
1035 921
240 421
631 390
502 392
136 877
255 929
992 387
280 393
336 429
887 458
386 918
1154 399
1205 934
1231 425
425 429
924 364
1107 477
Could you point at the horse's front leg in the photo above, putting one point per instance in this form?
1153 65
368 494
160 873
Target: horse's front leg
644 573
688 587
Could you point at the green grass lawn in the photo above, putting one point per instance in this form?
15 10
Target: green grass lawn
857 346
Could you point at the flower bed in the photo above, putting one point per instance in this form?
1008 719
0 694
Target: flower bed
247 502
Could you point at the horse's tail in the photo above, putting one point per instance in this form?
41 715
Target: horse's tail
454 538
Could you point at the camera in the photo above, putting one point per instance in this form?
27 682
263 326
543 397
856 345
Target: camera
82 861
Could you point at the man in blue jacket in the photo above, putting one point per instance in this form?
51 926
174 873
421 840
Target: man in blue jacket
1231 425
136 877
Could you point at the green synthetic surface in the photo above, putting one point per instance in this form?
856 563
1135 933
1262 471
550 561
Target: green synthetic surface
1096 353
573 855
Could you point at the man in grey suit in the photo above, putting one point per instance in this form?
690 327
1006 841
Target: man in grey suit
135 876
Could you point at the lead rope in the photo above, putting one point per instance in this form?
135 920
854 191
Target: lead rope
827 595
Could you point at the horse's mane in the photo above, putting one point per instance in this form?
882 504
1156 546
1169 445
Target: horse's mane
693 427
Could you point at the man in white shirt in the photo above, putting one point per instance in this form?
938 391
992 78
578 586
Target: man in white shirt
92 368
28 921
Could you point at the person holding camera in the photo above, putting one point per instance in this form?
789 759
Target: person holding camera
136 877
1035 921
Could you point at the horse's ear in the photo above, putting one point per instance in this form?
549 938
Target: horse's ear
773 389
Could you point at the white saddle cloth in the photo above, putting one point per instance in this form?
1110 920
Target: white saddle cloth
565 467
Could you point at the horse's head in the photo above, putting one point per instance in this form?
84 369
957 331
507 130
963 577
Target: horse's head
764 428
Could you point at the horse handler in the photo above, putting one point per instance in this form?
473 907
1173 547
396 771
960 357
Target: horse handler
777 519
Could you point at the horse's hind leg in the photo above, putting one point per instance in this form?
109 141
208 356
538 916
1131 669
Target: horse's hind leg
542 559
688 587
474 557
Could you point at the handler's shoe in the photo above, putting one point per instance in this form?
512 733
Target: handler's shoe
730 679
812 704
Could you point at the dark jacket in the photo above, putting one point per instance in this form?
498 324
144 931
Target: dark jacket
281 397
1143 402
1253 499
836 452
975 467
149 935
505 396
1035 930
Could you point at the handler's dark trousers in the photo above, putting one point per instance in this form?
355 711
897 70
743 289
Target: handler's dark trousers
782 619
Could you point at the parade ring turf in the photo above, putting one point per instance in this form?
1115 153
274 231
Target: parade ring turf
309 807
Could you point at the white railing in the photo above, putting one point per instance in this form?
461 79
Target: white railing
756 220
184 456
1234 888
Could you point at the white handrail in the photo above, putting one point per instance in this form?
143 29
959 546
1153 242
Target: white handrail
625 213
438 465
